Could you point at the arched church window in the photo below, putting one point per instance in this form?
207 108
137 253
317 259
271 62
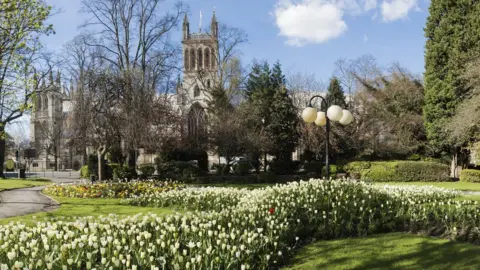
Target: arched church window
185 60
196 121
196 91
192 60
45 102
39 103
200 59
214 59
207 58
208 83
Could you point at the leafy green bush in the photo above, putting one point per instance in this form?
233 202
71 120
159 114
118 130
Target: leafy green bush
92 165
267 177
398 171
220 168
84 172
124 173
182 170
355 168
333 171
146 170
424 171
380 172
242 167
470 176
313 167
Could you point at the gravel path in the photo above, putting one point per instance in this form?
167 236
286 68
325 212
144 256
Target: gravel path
19 202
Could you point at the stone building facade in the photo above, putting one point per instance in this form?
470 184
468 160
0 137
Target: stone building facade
200 71
49 127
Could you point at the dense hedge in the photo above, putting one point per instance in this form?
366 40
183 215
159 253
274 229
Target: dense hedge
398 171
470 176
146 170
178 170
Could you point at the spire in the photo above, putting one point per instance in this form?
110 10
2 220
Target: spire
178 83
51 77
200 24
214 25
58 77
186 27
71 85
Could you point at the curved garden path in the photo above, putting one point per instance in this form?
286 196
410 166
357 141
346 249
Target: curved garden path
19 202
23 201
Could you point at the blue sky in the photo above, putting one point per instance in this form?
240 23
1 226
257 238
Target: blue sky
304 35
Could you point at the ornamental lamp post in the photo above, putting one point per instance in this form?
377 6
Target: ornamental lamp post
334 113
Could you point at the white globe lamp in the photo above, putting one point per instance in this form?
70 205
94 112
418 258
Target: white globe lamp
309 114
335 113
347 118
321 119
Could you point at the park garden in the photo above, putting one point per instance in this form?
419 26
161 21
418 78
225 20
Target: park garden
393 185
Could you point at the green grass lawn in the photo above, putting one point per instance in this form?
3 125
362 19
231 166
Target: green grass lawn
455 185
387 251
10 183
75 207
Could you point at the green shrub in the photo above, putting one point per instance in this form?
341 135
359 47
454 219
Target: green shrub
470 176
313 167
333 171
355 168
92 164
146 170
219 169
182 170
242 167
398 171
423 171
380 172
124 173
283 167
267 177
84 172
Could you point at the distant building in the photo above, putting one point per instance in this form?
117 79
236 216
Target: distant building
49 132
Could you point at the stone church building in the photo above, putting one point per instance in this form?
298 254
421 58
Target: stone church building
49 127
199 72
49 130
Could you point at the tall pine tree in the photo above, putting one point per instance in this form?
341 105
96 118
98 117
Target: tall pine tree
266 92
335 94
453 39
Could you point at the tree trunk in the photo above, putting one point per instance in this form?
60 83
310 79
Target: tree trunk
453 167
101 163
2 151
55 156
265 162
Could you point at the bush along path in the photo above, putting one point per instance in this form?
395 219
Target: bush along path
19 202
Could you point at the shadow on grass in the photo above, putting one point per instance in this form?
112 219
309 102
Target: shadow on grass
387 251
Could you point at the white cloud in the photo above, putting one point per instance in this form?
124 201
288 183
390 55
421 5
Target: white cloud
309 21
317 21
397 9
365 38
369 5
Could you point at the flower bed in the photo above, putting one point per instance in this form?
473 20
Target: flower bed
254 229
112 190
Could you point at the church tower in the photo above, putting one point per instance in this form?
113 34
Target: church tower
200 62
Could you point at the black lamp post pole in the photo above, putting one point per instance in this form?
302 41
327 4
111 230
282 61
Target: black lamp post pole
327 132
